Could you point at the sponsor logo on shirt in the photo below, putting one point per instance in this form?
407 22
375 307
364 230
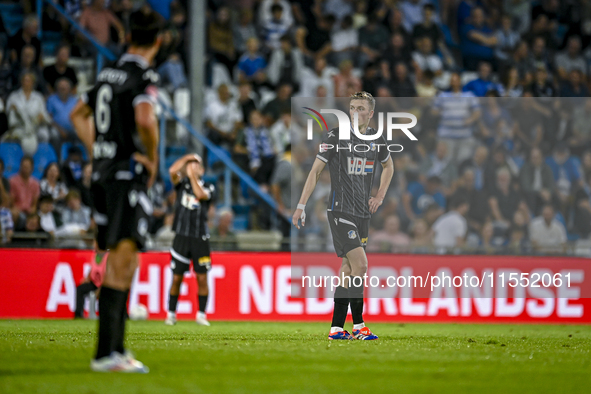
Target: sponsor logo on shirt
359 166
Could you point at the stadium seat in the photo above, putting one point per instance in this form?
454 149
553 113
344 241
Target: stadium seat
11 153
45 154
66 146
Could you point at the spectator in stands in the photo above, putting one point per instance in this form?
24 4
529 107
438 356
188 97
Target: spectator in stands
546 233
280 133
574 87
223 118
451 106
481 85
157 196
507 40
339 8
6 222
266 12
344 78
165 235
27 65
511 84
390 239
4 187
60 69
321 75
451 228
373 40
222 233
260 149
344 42
520 13
281 182
504 201
536 181
402 85
245 100
279 105
251 66
542 86
565 170
25 36
27 116
285 65
397 52
539 56
428 28
581 139
441 165
85 184
529 121
582 208
314 39
424 59
422 237
5 78
571 59
419 198
49 219
24 189
498 159
243 30
72 167
360 14
99 20
541 29
75 213
275 27
59 107
520 59
31 227
413 13
51 184
477 40
221 39
169 62
479 209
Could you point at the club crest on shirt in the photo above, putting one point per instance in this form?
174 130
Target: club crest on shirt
372 147
352 234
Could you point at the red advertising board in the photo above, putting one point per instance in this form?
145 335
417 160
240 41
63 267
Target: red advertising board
258 286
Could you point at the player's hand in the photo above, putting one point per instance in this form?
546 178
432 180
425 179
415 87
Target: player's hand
150 166
299 214
374 204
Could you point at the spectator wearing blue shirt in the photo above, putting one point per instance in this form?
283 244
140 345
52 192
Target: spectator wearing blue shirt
483 84
477 40
419 198
59 107
251 66
566 171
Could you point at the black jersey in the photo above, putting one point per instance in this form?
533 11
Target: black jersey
190 214
352 165
117 91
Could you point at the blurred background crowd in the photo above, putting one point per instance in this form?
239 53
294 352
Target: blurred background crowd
514 176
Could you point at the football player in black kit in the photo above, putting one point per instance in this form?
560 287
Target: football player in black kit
191 242
350 206
117 124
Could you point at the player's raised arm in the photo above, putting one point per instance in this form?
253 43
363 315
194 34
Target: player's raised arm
178 170
385 179
193 173
147 128
309 187
81 117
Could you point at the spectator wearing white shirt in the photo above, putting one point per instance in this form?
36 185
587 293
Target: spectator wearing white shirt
321 75
571 59
275 27
266 13
339 8
451 228
52 184
28 119
344 41
286 65
280 133
424 58
546 233
75 214
223 118
412 12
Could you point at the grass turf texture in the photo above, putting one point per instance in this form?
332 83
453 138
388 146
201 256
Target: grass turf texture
54 356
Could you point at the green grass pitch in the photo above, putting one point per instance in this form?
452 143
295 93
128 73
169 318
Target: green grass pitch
53 357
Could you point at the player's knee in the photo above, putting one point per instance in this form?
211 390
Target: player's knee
202 280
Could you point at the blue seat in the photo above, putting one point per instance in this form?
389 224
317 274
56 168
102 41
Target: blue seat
11 153
240 223
45 154
212 158
66 146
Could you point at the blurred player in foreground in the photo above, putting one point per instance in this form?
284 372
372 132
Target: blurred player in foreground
122 141
350 208
191 242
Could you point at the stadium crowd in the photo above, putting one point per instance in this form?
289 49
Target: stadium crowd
516 179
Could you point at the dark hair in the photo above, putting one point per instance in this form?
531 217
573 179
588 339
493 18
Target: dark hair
62 46
46 170
144 28
28 158
276 8
458 201
287 148
429 6
46 198
434 179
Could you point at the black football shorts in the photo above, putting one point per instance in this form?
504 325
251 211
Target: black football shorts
186 249
122 211
348 232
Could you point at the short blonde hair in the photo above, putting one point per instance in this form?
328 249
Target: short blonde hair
364 96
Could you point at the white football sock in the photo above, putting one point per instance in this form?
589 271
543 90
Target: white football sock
201 315
358 326
335 329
